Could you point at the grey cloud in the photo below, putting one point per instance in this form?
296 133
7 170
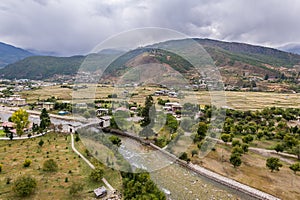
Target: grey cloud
75 27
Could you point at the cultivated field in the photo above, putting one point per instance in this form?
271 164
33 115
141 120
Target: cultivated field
237 100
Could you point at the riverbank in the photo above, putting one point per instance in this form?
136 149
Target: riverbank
202 171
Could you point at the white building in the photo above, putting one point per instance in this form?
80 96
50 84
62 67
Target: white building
104 121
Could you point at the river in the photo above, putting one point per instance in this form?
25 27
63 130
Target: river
176 181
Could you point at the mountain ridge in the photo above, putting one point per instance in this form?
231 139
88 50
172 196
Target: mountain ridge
10 54
231 58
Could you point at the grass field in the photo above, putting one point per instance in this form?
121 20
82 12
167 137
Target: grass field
253 172
237 100
49 185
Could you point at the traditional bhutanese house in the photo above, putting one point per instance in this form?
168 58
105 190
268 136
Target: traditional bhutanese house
104 121
48 105
173 106
102 111
100 192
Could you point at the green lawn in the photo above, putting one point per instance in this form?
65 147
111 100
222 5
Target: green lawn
50 185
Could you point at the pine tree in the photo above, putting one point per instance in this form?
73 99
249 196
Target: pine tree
44 119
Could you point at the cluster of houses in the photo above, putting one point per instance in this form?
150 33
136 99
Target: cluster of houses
166 93
13 100
19 85
172 108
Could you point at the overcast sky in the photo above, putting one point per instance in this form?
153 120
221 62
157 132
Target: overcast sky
77 26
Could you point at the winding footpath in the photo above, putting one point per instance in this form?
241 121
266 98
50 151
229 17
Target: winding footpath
89 163
79 154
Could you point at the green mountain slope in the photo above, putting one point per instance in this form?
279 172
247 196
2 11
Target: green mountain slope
236 56
10 54
41 67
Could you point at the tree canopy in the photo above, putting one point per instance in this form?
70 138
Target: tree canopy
20 118
273 164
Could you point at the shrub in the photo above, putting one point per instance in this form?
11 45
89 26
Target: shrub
50 166
24 186
295 167
27 163
75 188
77 138
41 142
97 174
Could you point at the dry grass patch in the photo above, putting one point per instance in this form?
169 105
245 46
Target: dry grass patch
284 184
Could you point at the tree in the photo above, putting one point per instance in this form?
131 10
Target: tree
194 152
50 166
226 137
245 148
273 164
183 156
44 119
147 112
296 151
235 160
115 140
75 188
237 150
140 186
235 143
266 77
20 118
202 129
97 174
295 167
171 123
77 138
279 148
24 186
201 132
247 139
